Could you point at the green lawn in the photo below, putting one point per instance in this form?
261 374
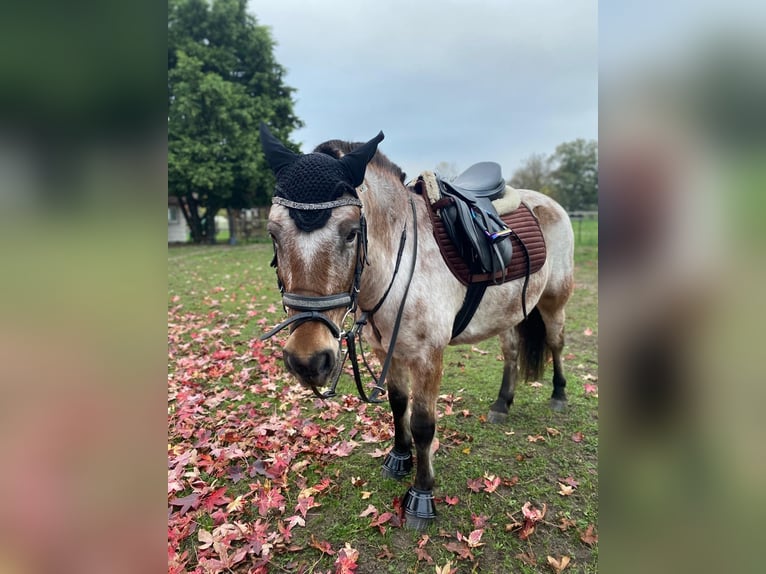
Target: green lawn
226 398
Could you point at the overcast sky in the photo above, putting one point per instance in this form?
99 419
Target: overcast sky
446 80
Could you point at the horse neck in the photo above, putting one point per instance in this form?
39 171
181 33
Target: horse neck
387 211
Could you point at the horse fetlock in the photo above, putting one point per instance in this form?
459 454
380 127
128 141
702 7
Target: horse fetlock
419 508
397 465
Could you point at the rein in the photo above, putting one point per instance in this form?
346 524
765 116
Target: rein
312 308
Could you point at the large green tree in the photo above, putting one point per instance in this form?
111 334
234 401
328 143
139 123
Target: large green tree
574 179
223 80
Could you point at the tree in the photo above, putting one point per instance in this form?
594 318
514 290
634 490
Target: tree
535 173
223 81
574 180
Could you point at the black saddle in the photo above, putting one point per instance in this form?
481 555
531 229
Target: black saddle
472 221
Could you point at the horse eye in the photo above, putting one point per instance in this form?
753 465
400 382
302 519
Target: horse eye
351 236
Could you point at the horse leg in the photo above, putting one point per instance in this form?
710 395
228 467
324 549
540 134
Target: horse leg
554 317
509 343
419 506
398 462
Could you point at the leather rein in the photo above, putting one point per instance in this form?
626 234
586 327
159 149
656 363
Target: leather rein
313 308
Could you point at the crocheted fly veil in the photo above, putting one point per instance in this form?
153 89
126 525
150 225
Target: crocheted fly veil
315 177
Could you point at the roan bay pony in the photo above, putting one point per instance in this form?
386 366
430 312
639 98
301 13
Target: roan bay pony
341 219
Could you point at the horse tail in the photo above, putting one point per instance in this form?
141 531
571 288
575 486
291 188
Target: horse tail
533 350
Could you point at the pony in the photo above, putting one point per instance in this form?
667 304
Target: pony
345 227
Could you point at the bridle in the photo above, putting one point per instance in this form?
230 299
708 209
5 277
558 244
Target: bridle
313 308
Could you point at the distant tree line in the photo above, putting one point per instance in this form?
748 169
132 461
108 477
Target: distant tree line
569 175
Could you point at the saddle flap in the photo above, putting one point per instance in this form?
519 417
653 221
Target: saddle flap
485 235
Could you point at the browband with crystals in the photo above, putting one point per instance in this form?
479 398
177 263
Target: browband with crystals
316 206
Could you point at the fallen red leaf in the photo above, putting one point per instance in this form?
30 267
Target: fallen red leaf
589 537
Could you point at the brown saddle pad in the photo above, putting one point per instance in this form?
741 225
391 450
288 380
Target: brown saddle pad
522 221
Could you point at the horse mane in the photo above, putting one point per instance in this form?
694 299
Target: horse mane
338 148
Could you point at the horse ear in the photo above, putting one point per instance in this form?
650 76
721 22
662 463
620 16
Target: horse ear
356 161
277 155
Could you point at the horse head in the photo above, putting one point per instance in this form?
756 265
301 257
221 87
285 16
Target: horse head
318 229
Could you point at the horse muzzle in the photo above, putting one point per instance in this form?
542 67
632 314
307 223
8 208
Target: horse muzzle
314 370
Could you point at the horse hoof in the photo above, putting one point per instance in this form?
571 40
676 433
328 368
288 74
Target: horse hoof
497 418
558 405
397 465
419 508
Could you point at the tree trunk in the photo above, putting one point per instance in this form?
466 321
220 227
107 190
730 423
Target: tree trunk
210 225
232 213
190 209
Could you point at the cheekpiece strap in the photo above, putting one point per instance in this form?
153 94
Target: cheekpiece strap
316 206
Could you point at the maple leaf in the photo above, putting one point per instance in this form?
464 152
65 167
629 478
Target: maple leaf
323 546
474 538
385 553
565 489
369 510
377 453
590 389
296 520
552 431
423 540
588 332
535 384
565 524
205 538
423 555
451 500
588 537
187 502
527 530
578 436
216 498
560 564
461 549
345 562
236 505
475 484
379 521
479 521
536 438
491 482
532 513
570 481
513 481
304 504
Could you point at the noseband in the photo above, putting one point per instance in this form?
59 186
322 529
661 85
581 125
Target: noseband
313 308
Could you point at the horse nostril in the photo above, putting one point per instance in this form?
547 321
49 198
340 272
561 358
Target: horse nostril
318 365
322 363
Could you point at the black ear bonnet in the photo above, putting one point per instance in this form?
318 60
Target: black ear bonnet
315 177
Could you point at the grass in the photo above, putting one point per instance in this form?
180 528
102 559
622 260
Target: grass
237 282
